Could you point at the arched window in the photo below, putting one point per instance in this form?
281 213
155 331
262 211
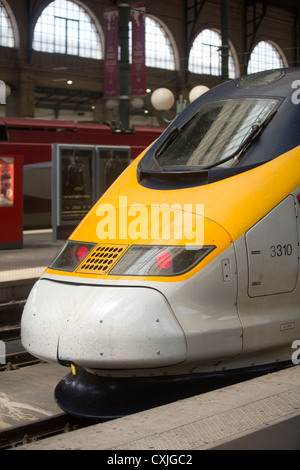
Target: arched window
159 51
264 56
205 55
64 27
7 38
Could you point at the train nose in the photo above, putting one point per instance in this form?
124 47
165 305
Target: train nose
103 327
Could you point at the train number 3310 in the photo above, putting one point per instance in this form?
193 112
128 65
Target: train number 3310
281 250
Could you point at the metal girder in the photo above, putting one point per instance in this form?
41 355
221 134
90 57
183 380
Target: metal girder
255 11
193 9
68 92
192 12
30 12
67 99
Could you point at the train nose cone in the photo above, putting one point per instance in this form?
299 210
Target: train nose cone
103 327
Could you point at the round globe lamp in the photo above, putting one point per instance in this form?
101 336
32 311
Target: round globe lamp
197 91
162 99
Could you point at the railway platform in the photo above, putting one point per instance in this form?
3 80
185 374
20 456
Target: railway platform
261 413
29 261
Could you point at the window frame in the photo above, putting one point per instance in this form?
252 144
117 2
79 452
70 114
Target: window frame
49 43
7 15
193 67
273 48
169 38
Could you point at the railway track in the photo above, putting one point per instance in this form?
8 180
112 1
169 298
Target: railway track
41 429
10 333
16 356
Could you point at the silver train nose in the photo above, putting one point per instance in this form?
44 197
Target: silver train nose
102 327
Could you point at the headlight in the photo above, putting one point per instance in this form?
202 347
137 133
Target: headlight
138 260
150 260
71 255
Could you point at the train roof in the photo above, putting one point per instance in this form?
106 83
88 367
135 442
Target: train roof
31 130
57 124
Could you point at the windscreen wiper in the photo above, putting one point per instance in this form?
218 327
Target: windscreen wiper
256 129
168 140
174 132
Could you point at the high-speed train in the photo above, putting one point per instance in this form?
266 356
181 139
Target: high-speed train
188 265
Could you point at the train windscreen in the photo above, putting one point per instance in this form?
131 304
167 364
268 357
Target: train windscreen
216 134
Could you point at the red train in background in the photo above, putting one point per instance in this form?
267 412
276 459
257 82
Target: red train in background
34 138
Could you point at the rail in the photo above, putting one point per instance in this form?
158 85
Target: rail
10 333
13 437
